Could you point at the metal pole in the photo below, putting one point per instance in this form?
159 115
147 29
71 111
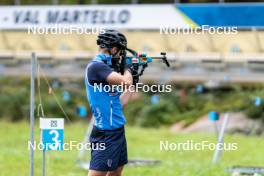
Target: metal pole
218 151
32 108
43 163
86 138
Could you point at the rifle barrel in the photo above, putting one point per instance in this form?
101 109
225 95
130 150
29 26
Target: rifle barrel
164 60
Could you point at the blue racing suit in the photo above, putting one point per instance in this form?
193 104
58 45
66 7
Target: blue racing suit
106 106
109 118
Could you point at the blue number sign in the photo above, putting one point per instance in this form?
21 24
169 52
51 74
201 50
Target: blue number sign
52 133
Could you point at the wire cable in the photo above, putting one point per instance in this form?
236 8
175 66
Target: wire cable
53 94
40 106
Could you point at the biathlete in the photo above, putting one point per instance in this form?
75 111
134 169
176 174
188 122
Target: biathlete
107 107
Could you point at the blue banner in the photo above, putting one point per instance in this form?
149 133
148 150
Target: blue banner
241 15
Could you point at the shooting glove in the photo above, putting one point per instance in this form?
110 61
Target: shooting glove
133 69
135 79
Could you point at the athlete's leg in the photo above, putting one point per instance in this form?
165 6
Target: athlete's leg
96 173
117 172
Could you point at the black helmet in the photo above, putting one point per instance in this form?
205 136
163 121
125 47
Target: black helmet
112 38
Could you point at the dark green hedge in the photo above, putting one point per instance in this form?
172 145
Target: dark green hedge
182 104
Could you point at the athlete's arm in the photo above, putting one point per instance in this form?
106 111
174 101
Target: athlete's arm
125 97
115 78
102 73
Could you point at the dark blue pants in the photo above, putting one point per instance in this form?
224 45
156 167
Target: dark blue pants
109 149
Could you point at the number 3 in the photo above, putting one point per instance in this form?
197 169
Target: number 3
55 139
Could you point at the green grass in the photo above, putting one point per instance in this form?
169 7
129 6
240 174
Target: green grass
142 143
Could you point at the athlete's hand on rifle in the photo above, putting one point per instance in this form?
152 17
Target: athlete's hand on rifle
135 64
133 69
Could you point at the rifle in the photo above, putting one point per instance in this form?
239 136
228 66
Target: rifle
139 61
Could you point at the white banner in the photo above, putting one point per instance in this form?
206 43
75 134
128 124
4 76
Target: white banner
92 16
